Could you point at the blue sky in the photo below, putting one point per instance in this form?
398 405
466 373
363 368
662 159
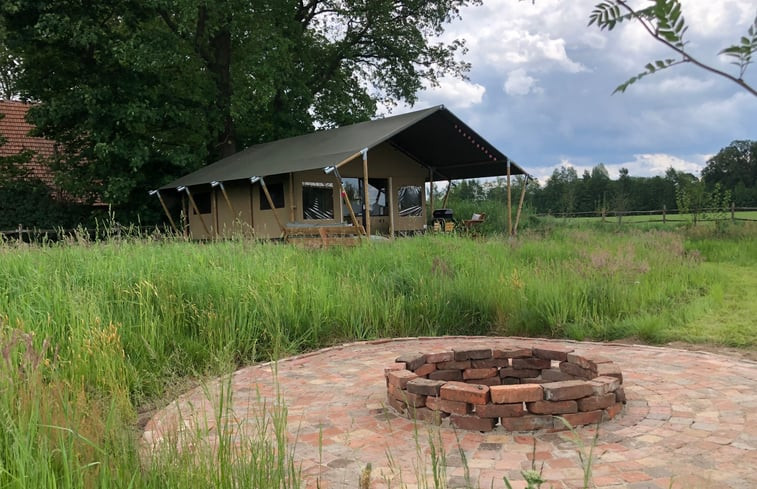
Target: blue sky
540 87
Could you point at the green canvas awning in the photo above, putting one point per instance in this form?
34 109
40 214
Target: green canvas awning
433 137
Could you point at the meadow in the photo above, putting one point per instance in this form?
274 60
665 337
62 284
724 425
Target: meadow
94 334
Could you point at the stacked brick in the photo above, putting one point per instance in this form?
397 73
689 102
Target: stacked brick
519 389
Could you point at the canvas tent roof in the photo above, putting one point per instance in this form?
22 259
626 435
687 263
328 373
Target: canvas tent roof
433 137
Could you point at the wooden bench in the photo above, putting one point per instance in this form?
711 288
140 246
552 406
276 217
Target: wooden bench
323 236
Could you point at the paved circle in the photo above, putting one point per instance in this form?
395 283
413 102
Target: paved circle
691 418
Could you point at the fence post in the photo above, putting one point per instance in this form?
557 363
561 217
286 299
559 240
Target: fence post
664 210
733 211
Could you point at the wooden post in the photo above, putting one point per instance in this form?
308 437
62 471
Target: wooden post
273 207
664 213
214 209
509 203
197 211
366 195
733 212
291 197
390 202
226 198
346 198
520 205
165 209
446 194
431 186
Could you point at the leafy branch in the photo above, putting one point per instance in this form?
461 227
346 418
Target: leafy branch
664 21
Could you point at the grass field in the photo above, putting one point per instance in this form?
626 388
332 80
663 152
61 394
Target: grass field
92 333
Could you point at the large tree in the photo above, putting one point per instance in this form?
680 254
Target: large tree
138 92
735 169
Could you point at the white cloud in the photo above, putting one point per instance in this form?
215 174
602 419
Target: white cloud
520 83
454 93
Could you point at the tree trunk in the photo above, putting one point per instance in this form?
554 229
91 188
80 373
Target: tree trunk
220 67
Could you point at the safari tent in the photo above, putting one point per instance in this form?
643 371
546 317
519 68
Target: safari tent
321 182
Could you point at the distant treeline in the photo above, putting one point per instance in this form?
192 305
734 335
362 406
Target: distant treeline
730 177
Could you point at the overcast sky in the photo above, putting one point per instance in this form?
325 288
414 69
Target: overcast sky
541 85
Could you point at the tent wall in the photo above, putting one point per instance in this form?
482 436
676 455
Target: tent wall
239 221
385 161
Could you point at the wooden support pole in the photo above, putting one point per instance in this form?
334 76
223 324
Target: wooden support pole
273 207
391 203
446 194
226 198
366 193
197 211
291 197
346 198
520 205
431 190
509 203
165 209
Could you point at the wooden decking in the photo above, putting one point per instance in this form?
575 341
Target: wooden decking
324 236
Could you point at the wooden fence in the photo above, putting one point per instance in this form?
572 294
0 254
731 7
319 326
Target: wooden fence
666 215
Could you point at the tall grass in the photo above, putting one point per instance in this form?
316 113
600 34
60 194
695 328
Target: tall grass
124 320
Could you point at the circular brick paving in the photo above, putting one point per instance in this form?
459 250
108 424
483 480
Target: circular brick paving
690 417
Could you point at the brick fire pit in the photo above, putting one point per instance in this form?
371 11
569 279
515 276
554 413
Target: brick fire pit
518 389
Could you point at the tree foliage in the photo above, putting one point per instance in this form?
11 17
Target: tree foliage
735 168
664 21
139 92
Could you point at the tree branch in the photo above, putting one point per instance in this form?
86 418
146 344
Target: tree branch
687 58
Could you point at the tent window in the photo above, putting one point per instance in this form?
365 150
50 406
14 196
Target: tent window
202 199
409 200
318 200
277 196
376 193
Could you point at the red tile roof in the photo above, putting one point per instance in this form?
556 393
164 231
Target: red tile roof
15 130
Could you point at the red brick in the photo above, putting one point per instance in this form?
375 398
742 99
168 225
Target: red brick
413 360
489 381
397 405
425 369
614 410
510 381
414 400
512 353
592 403
478 354
566 390
603 385
446 375
610 370
588 361
449 407
534 380
400 378
580 419
552 407
455 365
394 367
508 394
443 356
395 392
491 362
500 410
528 423
531 363
552 352
425 387
576 371
555 375
473 423
459 391
519 373
427 415
479 373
